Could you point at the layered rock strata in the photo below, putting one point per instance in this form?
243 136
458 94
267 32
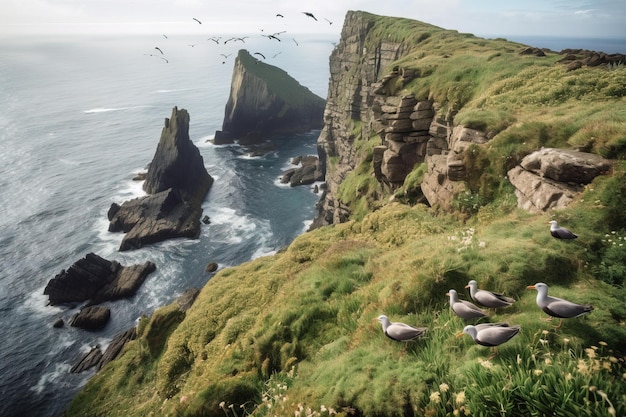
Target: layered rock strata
550 179
265 101
177 183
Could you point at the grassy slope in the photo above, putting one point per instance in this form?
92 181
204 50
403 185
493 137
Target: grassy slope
295 334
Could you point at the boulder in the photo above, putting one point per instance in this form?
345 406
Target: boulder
177 183
97 279
550 179
265 101
307 173
92 318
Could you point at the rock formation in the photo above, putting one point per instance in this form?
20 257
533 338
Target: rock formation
92 318
96 279
176 182
266 101
307 171
551 178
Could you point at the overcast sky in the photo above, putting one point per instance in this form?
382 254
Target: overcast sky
568 18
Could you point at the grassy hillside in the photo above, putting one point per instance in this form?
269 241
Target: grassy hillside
295 334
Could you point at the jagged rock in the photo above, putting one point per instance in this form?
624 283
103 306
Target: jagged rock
116 345
97 279
92 318
550 179
58 324
265 101
206 220
88 361
186 300
177 182
308 173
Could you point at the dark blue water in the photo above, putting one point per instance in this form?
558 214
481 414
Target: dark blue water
78 119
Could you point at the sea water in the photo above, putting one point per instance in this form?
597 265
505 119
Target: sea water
79 118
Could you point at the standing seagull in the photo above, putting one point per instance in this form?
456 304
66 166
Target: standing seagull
310 15
557 307
488 298
560 232
491 335
464 309
399 331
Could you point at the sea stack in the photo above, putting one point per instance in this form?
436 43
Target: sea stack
265 101
177 183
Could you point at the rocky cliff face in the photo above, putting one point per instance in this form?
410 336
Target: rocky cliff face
264 101
367 97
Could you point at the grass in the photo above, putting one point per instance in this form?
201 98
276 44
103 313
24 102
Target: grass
294 334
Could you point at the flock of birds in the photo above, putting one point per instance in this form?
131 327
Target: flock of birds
218 40
493 334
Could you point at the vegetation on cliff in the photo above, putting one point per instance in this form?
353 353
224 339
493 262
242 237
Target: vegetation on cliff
295 333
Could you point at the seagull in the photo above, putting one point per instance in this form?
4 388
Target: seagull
557 307
464 309
279 15
310 15
294 39
159 49
225 56
399 331
215 39
166 61
488 298
165 36
196 20
329 22
491 334
560 232
260 54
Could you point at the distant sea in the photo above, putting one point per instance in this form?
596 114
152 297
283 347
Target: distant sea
79 118
557 43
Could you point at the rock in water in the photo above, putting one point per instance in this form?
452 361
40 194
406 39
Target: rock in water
176 182
264 101
92 318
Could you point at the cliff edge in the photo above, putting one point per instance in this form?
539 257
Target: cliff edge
264 101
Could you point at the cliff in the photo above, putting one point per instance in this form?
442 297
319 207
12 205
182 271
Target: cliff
177 183
265 101
422 127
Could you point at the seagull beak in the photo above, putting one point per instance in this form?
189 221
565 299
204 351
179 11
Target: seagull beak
531 287
467 286
447 294
460 334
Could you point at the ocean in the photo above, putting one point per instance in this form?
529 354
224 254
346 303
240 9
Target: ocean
80 117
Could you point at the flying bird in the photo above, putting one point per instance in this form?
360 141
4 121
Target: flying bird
329 22
557 307
260 54
310 15
196 20
295 41
215 39
164 59
165 36
159 49
491 334
488 298
400 332
225 56
464 309
560 232
279 15
276 54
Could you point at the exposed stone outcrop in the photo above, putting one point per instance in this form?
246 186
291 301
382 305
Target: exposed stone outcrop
92 318
176 182
306 173
265 101
96 279
551 178
95 357
577 58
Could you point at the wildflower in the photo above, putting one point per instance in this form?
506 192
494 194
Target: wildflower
331 411
443 387
519 359
222 404
568 377
545 332
487 364
613 359
435 397
582 367
460 397
323 408
548 361
565 340
606 365
590 352
537 372
593 388
601 343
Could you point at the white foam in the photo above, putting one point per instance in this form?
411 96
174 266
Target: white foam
103 110
58 373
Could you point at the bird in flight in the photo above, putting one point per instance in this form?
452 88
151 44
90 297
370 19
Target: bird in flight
297 44
329 22
165 36
159 49
279 15
310 15
166 61
196 20
260 54
225 56
215 39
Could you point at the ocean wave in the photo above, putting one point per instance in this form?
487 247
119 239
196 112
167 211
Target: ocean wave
111 109
58 374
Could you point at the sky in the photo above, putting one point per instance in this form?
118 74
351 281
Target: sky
486 18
